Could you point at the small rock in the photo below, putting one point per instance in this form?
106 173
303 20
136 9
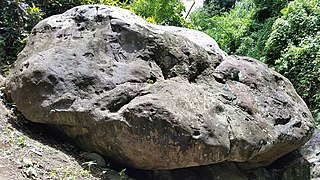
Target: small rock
31 172
27 162
97 158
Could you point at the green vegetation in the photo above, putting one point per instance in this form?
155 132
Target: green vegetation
228 28
282 33
122 174
217 7
167 12
16 21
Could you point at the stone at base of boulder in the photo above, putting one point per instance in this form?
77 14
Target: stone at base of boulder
299 169
311 152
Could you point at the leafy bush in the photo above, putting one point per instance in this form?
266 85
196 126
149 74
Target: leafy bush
243 29
16 20
294 49
268 8
217 7
253 42
227 29
168 12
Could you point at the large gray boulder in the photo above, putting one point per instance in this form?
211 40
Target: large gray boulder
154 97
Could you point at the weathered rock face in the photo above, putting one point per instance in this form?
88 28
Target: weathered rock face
154 97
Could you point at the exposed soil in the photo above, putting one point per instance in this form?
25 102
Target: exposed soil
31 151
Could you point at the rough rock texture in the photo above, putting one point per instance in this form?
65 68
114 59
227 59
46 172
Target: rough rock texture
154 97
311 152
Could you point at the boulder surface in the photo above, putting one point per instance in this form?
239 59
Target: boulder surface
154 97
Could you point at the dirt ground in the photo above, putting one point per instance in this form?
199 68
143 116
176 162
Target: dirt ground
28 152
